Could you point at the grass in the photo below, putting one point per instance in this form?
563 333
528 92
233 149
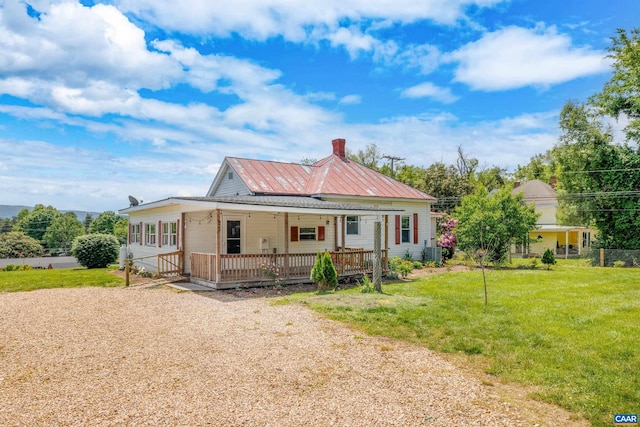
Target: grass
31 280
573 331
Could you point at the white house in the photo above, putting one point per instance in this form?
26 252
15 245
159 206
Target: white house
264 215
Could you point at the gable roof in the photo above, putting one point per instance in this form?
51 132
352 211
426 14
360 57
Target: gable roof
335 175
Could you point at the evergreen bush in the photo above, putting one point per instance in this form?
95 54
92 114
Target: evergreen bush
95 250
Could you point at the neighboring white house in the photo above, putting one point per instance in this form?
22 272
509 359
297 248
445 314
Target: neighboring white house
263 212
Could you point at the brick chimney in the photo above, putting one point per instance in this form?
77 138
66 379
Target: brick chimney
553 181
338 147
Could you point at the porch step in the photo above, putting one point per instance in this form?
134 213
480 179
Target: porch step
189 286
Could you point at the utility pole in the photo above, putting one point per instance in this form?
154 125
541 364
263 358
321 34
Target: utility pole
392 158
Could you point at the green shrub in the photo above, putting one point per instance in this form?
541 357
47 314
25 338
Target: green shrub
619 264
367 286
324 273
96 250
17 244
329 272
405 267
548 258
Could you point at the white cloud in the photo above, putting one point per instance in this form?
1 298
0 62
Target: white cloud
424 57
350 100
294 20
429 90
514 57
71 44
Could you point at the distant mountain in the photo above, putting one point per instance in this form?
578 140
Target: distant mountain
9 211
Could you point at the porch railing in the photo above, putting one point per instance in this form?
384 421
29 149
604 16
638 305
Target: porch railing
257 267
170 264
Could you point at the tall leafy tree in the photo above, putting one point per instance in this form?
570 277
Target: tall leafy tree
621 94
369 157
599 179
34 223
489 224
62 231
104 223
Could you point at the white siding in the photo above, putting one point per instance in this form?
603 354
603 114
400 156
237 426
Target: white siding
365 238
230 186
165 214
199 234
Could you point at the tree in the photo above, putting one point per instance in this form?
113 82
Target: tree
621 94
541 166
548 258
368 157
598 180
445 183
88 219
492 223
447 240
121 230
95 250
7 224
62 231
104 223
17 244
34 223
488 225
324 273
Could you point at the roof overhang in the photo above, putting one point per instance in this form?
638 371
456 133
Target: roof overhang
560 228
291 204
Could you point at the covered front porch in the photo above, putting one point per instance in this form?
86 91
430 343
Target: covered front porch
564 241
276 241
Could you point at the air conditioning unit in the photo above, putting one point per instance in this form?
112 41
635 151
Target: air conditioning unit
264 243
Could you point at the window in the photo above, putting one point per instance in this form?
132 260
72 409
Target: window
307 233
135 233
150 234
169 234
406 229
353 225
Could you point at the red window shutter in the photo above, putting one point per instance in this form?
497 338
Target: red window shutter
415 228
178 235
141 232
321 233
130 231
294 233
159 234
397 229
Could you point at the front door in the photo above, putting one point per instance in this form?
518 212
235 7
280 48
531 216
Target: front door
233 237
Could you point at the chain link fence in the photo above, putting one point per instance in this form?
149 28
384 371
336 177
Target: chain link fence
615 257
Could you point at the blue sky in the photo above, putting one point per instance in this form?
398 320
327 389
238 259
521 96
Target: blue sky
99 100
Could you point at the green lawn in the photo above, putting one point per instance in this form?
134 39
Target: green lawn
30 280
574 331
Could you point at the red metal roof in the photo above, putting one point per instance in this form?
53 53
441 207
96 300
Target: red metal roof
333 175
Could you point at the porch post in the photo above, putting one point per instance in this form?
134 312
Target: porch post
579 242
377 256
386 233
286 245
343 230
335 234
218 244
566 244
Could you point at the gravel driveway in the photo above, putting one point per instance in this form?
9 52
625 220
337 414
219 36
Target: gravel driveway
153 356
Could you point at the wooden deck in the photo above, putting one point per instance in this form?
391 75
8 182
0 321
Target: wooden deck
267 269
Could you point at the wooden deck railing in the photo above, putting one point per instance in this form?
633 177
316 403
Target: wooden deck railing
258 267
170 264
